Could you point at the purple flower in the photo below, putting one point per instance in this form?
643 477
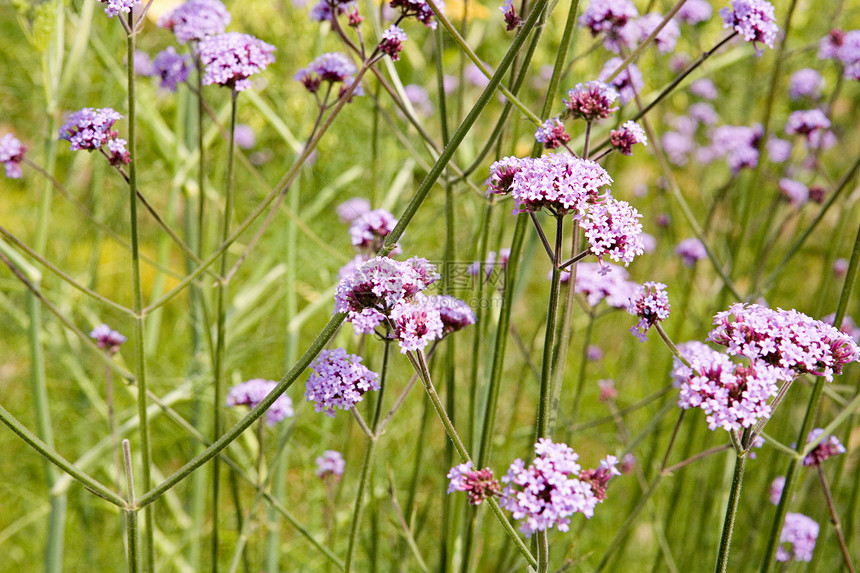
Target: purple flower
549 491
786 339
172 68
416 323
695 12
629 135
352 208
778 150
628 83
369 230
704 112
253 392
454 312
666 38
11 155
731 395
691 250
840 267
849 55
143 64
418 8
90 128
552 134
599 478
231 58
806 122
338 380
828 46
593 352
392 42
244 136
678 147
478 484
802 533
196 19
651 305
591 101
331 463
738 144
704 87
828 448
613 18
330 67
690 350
776 487
796 192
613 229
108 339
754 20
596 284
512 19
117 152
116 7
805 83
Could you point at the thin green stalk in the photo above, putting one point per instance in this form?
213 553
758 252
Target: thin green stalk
565 329
583 361
131 511
148 548
731 511
544 406
834 519
481 312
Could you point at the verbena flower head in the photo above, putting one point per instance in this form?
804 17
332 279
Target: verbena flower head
369 294
829 447
613 230
704 87
805 83
738 144
331 463
369 230
352 208
704 112
604 282
325 10
786 339
108 339
691 250
231 58
11 155
117 152
802 533
416 323
454 312
628 83
828 46
796 192
754 20
331 67
419 9
252 392
695 12
666 38
611 18
591 101
806 122
90 128
552 134
172 68
392 42
244 136
560 181
548 491
849 54
776 487
478 484
731 395
629 135
338 380
599 478
778 150
116 7
689 350
196 19
651 305
512 19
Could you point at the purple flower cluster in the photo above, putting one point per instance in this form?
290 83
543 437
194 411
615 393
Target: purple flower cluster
845 47
172 68
549 490
613 19
369 230
826 449
108 339
754 20
116 7
651 305
738 144
593 281
454 313
802 533
695 12
252 392
628 83
339 380
704 87
599 478
331 463
788 340
331 67
392 42
512 19
416 323
613 230
90 129
418 8
625 138
11 155
805 83
231 58
666 38
691 250
778 150
776 487
796 192
807 123
552 134
591 101
478 484
196 19
352 208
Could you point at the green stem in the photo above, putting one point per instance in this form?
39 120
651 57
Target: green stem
544 405
731 511
131 511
